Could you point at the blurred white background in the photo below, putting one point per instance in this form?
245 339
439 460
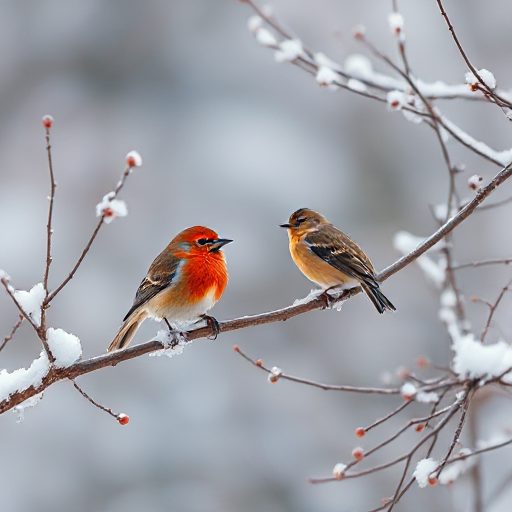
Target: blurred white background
234 141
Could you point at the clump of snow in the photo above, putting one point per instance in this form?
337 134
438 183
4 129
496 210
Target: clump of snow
474 182
265 38
435 271
396 100
451 472
327 77
495 440
408 390
485 75
358 66
356 85
339 470
29 402
274 374
289 50
31 301
133 159
110 208
475 360
65 347
173 342
254 23
322 60
22 379
427 398
396 25
313 294
448 299
423 470
4 275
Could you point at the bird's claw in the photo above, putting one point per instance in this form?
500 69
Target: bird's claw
212 323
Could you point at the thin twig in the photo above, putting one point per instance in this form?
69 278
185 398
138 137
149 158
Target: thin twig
327 387
93 402
52 295
492 310
13 332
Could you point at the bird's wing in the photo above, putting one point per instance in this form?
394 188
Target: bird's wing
161 274
339 251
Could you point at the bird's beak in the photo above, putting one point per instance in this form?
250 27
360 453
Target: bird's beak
287 225
217 244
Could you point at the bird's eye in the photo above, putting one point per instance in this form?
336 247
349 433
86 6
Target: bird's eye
301 220
202 241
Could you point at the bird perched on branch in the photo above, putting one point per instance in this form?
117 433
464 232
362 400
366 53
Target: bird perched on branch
184 281
330 258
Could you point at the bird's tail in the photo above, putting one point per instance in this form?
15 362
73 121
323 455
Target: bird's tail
380 301
127 331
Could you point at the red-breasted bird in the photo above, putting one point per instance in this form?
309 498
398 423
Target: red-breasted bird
330 258
184 281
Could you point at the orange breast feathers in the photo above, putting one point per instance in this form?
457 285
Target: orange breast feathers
203 274
313 267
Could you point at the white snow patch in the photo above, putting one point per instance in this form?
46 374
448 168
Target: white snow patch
265 38
22 379
495 440
65 347
289 50
313 294
423 470
31 301
396 24
427 398
474 182
133 159
396 100
339 470
111 208
29 402
358 66
451 472
4 275
327 77
357 85
448 298
436 272
475 360
168 339
254 23
408 390
322 60
502 157
485 75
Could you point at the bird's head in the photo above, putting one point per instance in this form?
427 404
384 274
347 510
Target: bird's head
199 240
304 220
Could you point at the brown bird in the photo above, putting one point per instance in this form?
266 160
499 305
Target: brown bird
184 281
330 258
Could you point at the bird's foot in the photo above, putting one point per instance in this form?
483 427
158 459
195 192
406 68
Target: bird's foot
174 336
213 324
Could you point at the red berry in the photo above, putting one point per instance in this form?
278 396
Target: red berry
123 419
419 427
360 432
358 454
432 480
47 122
272 379
259 362
422 362
236 349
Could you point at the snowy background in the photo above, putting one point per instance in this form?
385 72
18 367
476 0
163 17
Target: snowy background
232 140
